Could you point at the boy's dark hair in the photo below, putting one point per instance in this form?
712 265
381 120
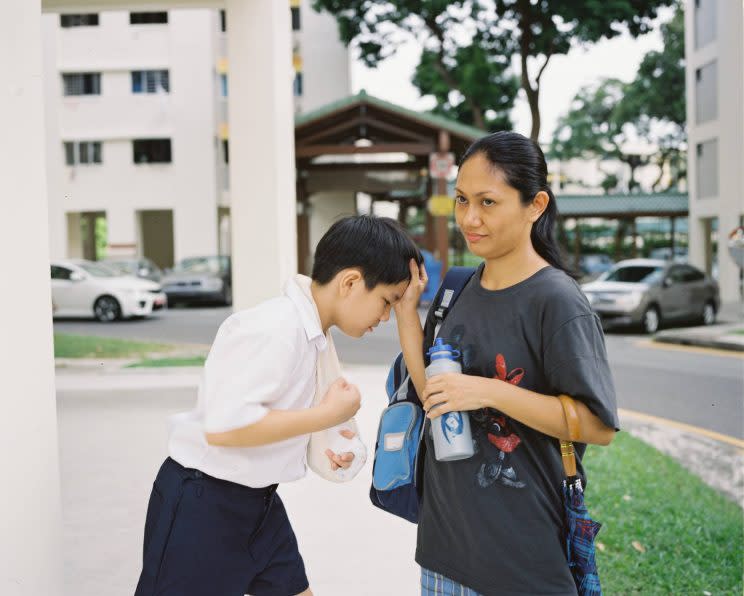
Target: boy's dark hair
378 246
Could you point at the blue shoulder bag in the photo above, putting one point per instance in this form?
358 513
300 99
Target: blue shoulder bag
397 473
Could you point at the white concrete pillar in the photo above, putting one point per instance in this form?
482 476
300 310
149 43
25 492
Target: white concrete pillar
262 167
327 207
30 499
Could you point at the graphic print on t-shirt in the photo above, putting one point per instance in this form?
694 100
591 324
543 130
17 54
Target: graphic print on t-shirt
492 430
497 429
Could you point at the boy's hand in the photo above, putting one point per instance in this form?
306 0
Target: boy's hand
341 402
341 460
410 299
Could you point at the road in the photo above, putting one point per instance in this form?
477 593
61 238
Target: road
703 388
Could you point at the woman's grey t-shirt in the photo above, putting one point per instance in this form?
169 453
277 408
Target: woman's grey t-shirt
494 522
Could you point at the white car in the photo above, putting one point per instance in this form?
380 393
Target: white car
85 288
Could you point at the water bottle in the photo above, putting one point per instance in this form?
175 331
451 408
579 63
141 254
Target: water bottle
450 431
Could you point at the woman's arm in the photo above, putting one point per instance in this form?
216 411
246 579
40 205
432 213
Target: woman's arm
458 392
409 326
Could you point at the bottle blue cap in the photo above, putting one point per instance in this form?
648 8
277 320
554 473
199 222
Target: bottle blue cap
440 349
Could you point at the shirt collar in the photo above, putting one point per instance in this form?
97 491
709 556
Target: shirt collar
297 289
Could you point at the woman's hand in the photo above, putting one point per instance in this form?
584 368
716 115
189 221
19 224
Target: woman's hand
410 299
455 392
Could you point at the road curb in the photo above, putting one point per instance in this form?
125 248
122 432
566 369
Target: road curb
718 343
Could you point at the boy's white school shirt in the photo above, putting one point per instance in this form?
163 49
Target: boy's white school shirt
262 358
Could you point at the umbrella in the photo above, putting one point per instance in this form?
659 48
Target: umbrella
580 532
580 528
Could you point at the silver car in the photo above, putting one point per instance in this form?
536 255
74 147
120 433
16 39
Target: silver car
646 292
199 280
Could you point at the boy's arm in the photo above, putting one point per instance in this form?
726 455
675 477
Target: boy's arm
340 403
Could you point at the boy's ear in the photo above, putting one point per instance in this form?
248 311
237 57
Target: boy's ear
347 278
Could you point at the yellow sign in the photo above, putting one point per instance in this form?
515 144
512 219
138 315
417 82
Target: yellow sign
441 205
297 62
222 66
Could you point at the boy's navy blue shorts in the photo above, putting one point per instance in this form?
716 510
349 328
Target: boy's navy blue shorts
211 537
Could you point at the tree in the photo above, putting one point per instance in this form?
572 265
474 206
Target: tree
531 31
604 118
655 100
484 90
597 126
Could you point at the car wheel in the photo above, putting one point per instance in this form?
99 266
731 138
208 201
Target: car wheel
107 309
709 313
651 319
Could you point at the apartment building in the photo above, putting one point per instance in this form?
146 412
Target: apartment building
138 133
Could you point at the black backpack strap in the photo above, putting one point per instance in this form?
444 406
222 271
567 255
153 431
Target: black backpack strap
454 282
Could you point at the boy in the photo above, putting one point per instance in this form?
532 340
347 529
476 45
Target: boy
215 525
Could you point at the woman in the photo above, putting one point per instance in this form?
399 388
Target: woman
493 523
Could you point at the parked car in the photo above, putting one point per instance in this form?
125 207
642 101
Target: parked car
665 253
646 292
594 265
141 267
199 280
90 289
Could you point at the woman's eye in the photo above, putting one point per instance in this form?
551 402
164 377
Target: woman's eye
460 200
488 202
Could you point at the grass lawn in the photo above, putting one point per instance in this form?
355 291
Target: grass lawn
664 530
84 346
162 362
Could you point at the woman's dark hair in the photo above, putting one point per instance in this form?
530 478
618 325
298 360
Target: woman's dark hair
522 163
378 246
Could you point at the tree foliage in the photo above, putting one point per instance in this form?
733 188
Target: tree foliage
605 118
487 38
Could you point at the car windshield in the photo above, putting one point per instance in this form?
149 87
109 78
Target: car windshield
645 274
99 270
202 265
123 266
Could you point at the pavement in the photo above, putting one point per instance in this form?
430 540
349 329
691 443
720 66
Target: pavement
726 334
113 431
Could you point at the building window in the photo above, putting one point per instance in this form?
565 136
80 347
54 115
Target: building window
148 18
706 93
83 83
150 81
152 151
223 21
707 169
86 152
298 84
705 22
223 85
78 20
295 18
226 151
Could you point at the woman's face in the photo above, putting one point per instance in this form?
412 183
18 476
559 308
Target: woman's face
488 211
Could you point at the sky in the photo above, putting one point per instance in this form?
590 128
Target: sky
563 77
